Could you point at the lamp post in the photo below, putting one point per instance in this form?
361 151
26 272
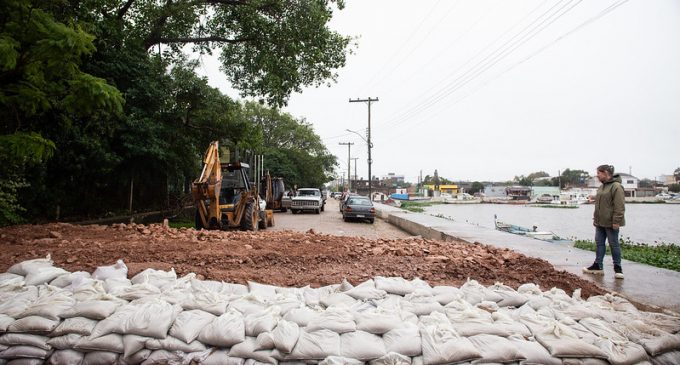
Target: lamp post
370 145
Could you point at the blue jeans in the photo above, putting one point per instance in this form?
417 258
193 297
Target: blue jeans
611 235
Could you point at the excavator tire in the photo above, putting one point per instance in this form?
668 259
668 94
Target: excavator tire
198 224
250 218
262 222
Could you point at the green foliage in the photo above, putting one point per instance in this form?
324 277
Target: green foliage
476 187
523 180
664 255
674 188
573 178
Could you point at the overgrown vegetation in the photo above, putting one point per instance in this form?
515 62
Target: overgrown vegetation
664 255
99 104
416 206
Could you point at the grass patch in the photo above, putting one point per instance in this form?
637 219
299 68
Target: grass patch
415 206
664 255
181 224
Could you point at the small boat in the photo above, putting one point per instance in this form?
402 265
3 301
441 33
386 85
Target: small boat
460 198
529 232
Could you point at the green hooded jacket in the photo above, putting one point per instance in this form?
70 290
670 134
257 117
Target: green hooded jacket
610 204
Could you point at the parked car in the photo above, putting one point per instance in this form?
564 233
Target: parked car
663 196
344 198
336 194
358 207
307 199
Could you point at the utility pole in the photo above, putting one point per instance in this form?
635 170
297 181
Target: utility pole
370 145
355 167
349 171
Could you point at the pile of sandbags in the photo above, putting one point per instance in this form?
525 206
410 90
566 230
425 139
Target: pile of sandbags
49 315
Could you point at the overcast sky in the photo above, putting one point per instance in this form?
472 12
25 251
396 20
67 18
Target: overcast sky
491 89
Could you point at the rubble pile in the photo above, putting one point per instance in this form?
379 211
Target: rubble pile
50 315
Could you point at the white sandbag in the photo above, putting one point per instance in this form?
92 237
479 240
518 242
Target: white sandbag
561 341
533 352
133 344
43 275
25 339
66 357
654 340
392 358
336 319
248 350
224 331
405 340
62 281
285 336
510 298
26 361
174 344
584 361
378 320
21 352
66 342
162 357
301 316
361 345
25 267
394 285
189 324
340 360
337 300
473 292
421 303
51 303
366 291
15 301
287 302
221 357
153 319
9 281
85 289
158 278
100 358
115 271
622 352
116 285
208 301
446 294
668 358
261 290
264 321
80 325
5 321
137 291
442 345
114 323
208 285
110 343
93 309
134 359
33 324
315 345
248 304
495 349
264 341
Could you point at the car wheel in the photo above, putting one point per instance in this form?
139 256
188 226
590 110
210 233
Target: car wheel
284 210
322 207
317 211
293 211
371 220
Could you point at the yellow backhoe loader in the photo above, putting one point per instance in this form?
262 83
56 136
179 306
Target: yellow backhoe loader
224 197
272 190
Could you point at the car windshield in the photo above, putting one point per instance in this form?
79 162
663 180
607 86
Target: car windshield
359 201
308 193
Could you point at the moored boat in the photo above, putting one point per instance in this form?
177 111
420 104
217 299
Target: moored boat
532 232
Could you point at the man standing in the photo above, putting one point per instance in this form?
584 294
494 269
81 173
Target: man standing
608 218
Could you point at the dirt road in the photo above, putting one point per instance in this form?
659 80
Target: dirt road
330 222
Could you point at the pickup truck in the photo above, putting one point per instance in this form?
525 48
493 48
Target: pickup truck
307 199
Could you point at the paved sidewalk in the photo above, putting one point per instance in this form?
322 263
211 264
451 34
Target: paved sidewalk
643 284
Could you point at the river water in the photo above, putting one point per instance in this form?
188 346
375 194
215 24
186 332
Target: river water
645 223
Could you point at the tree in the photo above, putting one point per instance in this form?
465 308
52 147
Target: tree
646 183
675 188
676 174
535 175
476 187
574 178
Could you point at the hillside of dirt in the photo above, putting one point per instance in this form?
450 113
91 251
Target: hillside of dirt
283 258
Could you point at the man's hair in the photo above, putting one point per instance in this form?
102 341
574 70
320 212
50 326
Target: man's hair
607 168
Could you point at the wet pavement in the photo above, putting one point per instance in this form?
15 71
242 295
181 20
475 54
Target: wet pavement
643 284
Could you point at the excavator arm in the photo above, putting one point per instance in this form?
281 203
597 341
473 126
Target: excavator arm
207 187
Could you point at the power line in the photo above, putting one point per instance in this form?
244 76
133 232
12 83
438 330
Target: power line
490 59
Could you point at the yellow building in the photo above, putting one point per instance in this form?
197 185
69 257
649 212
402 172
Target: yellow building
449 189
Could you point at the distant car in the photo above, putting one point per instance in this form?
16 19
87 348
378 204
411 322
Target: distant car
663 196
358 207
336 194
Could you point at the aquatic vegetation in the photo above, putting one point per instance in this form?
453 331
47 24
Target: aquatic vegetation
664 255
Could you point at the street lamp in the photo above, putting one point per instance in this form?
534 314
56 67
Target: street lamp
370 145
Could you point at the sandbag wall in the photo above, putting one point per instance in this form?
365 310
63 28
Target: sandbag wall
49 315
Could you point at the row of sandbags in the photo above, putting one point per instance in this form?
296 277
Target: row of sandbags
50 315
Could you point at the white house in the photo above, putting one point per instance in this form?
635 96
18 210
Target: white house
629 183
